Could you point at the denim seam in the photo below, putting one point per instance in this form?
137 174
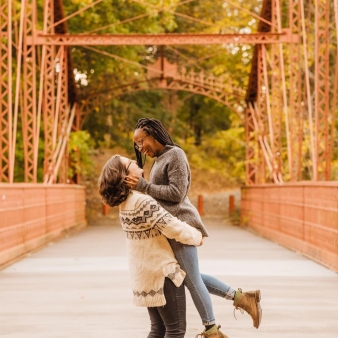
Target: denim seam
227 294
209 322
218 290
180 325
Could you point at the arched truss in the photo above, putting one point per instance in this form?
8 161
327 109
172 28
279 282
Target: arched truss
197 83
286 108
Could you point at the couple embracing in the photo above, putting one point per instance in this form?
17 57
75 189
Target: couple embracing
163 230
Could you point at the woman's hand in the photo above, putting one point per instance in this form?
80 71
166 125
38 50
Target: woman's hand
131 181
202 241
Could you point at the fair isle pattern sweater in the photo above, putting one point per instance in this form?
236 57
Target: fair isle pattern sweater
151 259
170 180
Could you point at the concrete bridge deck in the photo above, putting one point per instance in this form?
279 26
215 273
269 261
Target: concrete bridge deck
79 287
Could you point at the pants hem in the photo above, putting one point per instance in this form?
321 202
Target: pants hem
210 322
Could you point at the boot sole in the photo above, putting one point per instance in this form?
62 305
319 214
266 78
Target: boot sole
258 308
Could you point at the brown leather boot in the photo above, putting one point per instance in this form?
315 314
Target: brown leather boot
249 302
214 332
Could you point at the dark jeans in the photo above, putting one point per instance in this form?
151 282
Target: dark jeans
169 321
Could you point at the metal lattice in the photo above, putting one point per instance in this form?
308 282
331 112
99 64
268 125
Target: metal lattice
5 90
289 117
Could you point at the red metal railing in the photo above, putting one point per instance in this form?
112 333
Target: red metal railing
32 215
301 216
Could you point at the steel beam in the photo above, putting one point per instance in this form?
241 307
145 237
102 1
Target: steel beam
278 68
255 166
159 39
277 78
260 119
250 149
62 104
273 110
296 93
49 90
335 87
62 28
5 91
322 69
28 112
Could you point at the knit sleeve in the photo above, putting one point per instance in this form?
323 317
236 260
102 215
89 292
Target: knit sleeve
172 227
178 175
149 214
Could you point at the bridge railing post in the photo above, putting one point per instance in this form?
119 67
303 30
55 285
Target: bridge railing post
231 204
200 205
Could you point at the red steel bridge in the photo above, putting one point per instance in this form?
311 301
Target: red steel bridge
288 109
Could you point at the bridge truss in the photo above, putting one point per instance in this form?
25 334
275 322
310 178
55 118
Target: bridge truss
289 113
166 76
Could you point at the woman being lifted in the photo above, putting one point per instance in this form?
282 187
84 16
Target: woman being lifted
169 184
156 277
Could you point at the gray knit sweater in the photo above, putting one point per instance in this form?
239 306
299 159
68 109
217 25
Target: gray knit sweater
170 179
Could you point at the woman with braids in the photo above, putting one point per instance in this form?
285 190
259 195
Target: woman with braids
157 279
169 184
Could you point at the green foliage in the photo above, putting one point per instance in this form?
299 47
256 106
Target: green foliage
203 116
19 167
80 150
222 153
19 160
334 172
334 168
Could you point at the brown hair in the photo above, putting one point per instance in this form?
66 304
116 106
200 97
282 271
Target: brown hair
111 183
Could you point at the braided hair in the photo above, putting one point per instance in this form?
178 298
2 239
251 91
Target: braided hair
154 128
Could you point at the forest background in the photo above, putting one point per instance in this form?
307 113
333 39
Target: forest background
211 134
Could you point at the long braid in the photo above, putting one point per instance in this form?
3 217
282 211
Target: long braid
154 128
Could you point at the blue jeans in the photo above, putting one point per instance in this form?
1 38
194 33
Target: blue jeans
169 321
199 285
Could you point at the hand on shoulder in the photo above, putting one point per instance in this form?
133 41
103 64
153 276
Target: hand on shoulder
131 181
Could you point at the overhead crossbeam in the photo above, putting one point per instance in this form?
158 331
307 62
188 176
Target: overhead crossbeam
163 75
159 39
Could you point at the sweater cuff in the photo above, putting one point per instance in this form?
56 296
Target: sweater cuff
198 239
179 278
142 185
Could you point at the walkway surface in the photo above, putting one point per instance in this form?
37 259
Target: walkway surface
79 287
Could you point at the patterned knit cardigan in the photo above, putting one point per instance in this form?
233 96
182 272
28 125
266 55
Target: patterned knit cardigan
151 258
